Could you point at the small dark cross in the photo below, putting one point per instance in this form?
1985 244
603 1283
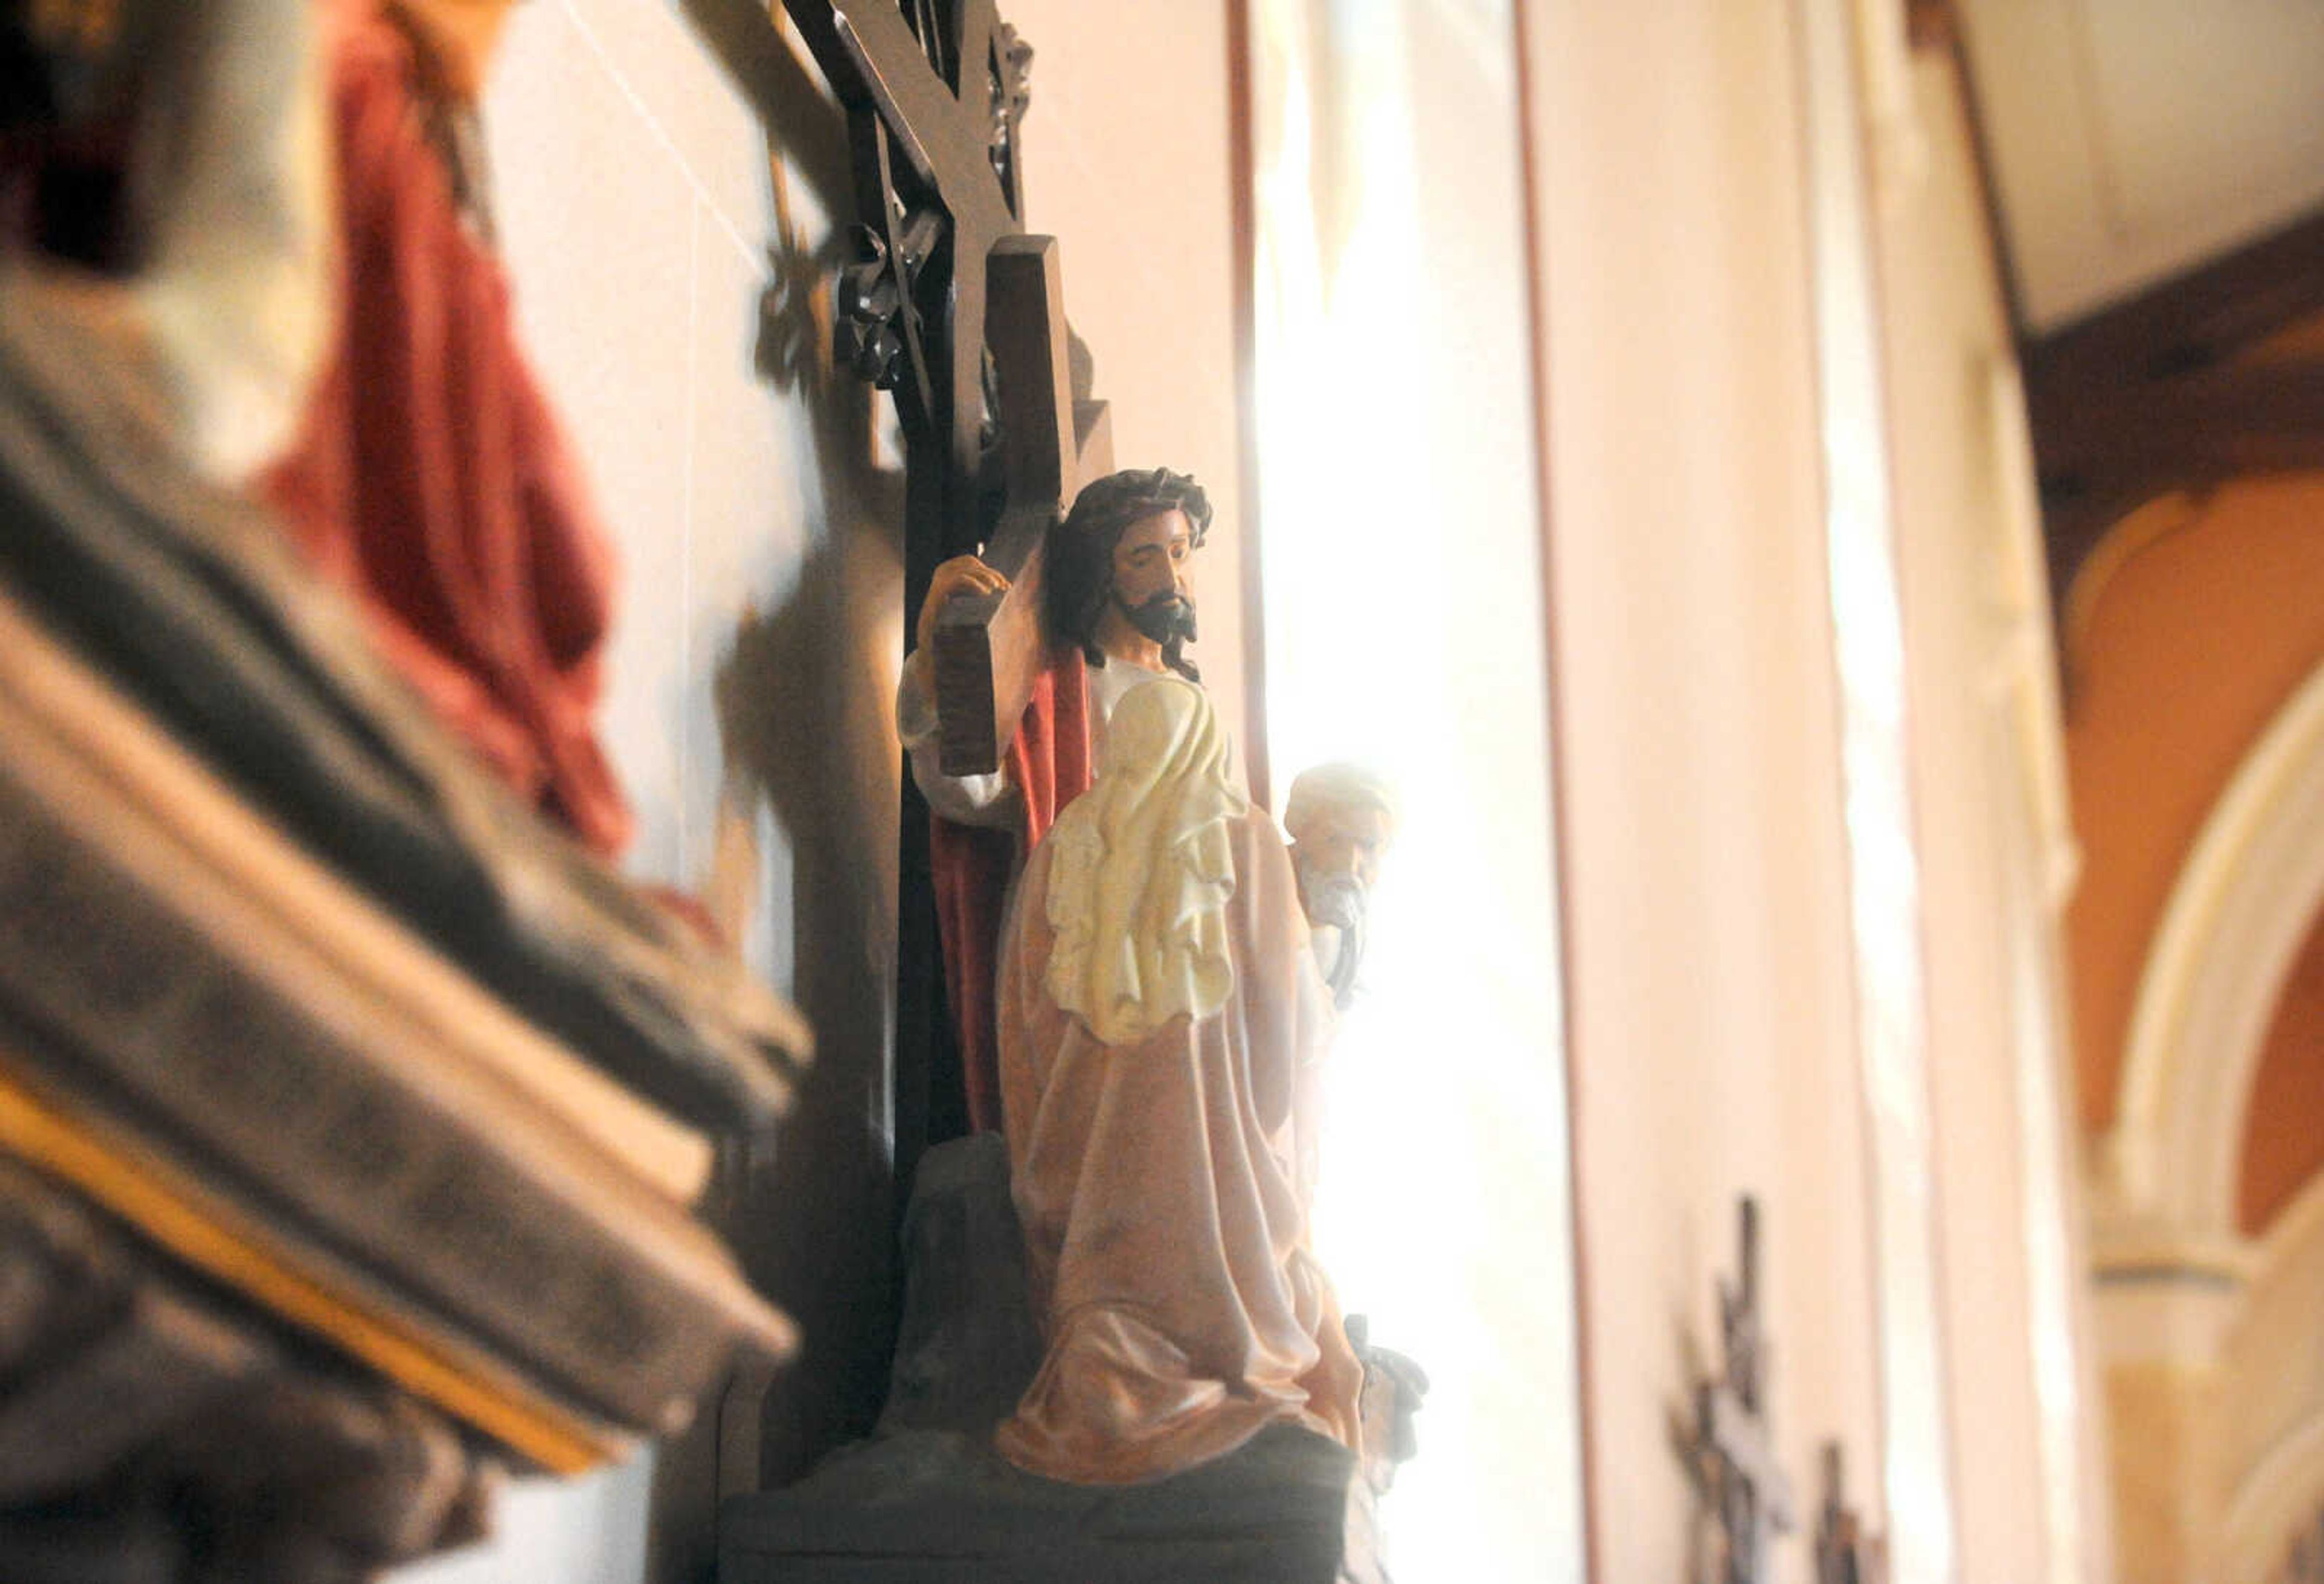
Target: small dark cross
1844 1553
1749 1492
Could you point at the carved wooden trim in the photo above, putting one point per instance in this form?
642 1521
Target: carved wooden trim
2156 394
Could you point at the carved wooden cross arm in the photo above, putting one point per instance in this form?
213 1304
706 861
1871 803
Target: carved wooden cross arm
990 648
935 91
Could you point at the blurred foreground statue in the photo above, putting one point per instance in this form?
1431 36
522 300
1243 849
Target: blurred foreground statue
428 475
352 1117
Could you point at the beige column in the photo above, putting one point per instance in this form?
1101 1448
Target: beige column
2162 1331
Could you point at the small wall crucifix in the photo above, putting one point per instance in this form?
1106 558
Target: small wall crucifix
1845 1554
1749 1497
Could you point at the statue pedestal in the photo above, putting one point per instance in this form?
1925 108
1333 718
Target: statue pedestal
937 1507
927 1500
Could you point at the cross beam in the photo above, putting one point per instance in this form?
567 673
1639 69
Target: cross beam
989 647
924 112
947 277
1741 1436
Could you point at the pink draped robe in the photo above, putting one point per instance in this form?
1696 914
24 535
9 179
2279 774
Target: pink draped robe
1164 1188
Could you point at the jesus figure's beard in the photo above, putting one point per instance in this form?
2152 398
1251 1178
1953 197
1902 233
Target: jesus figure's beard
1168 620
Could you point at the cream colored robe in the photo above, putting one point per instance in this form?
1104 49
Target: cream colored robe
1163 1187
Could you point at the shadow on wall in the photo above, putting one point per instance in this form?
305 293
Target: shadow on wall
803 124
805 713
804 701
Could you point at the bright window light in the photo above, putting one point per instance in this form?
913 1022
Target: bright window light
1402 570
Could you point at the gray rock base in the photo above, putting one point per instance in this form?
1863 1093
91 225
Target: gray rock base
925 1501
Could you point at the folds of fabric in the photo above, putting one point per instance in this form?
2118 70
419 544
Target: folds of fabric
1141 871
1050 764
1164 1190
429 474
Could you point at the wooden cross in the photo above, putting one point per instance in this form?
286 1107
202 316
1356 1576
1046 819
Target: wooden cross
1753 1500
948 293
989 648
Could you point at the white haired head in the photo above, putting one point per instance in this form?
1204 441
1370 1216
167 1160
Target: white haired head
1338 786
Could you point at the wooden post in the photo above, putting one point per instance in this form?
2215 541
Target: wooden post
990 648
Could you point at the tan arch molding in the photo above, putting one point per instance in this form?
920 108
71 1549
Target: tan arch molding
2123 543
2281 1488
2270 1506
2242 903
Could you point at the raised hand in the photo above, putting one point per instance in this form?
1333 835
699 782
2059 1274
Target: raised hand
963 575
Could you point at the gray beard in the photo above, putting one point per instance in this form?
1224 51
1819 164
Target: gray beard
1339 902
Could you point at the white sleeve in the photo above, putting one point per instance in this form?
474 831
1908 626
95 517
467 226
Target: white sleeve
968 800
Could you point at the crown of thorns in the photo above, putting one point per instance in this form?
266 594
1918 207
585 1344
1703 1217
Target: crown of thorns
1081 555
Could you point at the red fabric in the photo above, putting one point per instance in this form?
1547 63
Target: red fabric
429 476
972 865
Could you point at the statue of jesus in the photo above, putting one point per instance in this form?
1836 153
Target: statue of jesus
1116 612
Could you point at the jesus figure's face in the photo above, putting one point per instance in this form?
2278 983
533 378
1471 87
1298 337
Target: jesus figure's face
1150 576
1150 558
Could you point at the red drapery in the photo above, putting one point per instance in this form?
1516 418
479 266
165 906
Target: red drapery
429 474
973 865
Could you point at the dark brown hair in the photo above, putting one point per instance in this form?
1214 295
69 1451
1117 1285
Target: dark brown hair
1080 575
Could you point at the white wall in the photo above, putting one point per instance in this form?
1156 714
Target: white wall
1720 1041
1128 164
1991 815
1705 884
752 661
